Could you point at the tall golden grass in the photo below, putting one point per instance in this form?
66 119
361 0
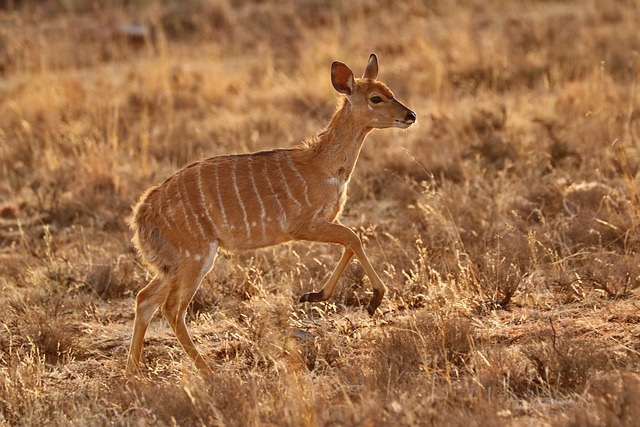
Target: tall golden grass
505 224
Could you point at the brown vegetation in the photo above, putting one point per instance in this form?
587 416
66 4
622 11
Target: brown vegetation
505 224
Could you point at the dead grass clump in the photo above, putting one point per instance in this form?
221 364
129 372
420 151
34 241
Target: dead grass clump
20 379
255 334
55 341
541 203
112 280
506 371
485 126
181 404
324 352
454 340
355 290
30 330
563 364
257 397
614 400
497 277
400 357
562 153
485 120
610 275
430 345
286 43
423 285
599 215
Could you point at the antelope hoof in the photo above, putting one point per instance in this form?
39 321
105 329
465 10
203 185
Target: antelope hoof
375 302
312 297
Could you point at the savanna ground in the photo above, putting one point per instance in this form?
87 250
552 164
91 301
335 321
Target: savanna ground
504 223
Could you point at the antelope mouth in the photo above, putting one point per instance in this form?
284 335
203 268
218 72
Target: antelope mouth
403 124
409 119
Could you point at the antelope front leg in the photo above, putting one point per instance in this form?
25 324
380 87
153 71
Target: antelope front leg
329 287
334 232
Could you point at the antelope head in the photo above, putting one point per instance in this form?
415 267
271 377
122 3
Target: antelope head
371 101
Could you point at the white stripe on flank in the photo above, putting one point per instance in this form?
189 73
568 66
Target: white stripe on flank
263 214
220 205
302 179
171 213
193 212
185 215
161 214
204 202
283 214
286 185
235 186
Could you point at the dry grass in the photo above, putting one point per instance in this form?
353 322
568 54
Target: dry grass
505 223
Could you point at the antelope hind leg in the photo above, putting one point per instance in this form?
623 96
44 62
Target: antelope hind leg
147 302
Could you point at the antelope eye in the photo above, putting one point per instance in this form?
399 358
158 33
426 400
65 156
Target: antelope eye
376 99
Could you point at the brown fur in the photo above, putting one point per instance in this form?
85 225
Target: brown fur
250 201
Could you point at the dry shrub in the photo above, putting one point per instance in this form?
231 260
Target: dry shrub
552 367
9 211
565 364
484 278
272 397
453 340
485 127
499 272
590 274
599 215
427 346
322 353
614 400
506 371
256 334
55 339
400 357
30 330
114 279
186 404
19 383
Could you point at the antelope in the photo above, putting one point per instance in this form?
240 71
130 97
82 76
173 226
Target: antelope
250 201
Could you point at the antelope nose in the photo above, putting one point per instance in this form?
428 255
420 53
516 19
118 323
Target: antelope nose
410 117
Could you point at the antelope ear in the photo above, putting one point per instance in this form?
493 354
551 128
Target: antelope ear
371 72
342 78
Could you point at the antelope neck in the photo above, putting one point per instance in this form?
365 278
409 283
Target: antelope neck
337 147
